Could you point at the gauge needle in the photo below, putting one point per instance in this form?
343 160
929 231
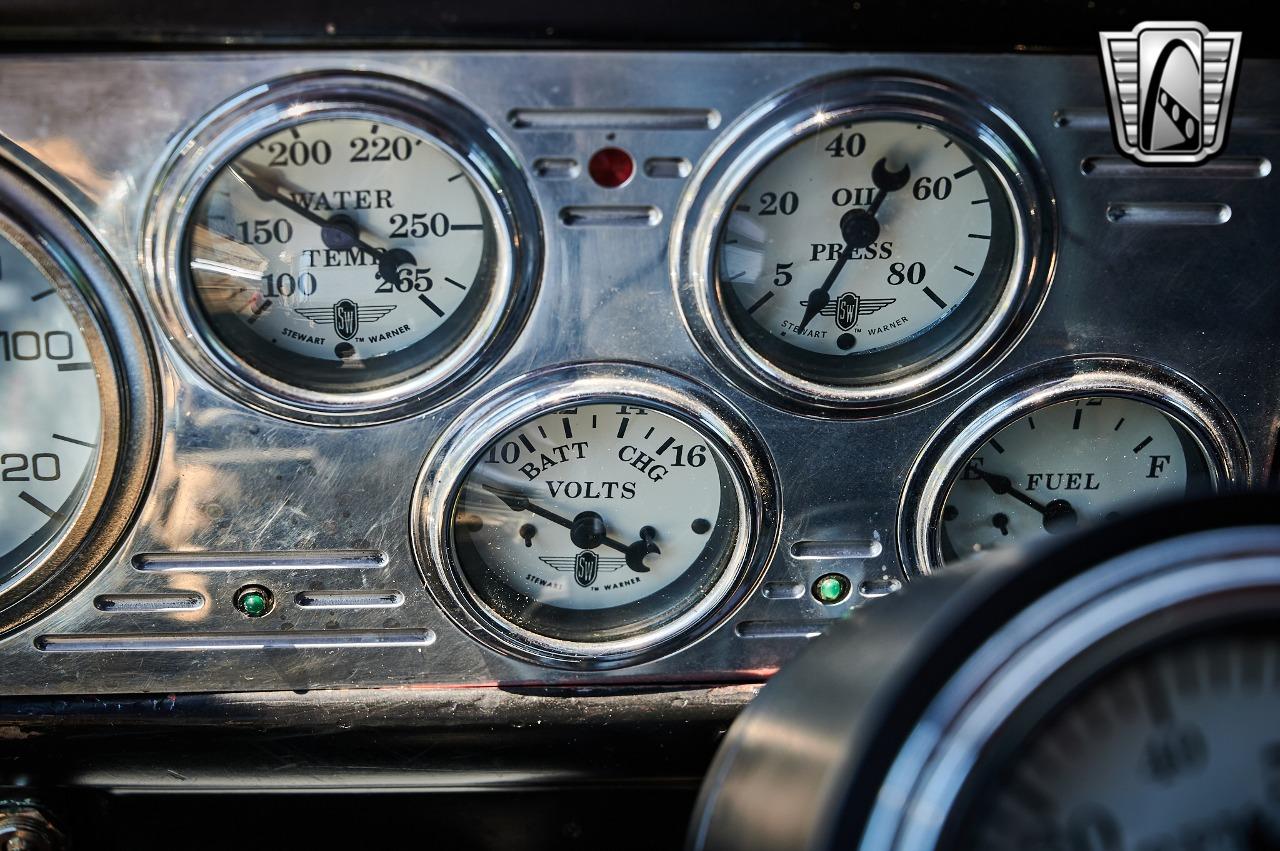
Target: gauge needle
1059 516
338 231
587 530
859 228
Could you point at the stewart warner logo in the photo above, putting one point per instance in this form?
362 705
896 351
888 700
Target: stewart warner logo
346 315
849 307
1170 86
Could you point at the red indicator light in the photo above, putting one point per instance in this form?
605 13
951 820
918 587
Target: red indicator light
611 167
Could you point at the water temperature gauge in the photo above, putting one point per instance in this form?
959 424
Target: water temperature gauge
601 524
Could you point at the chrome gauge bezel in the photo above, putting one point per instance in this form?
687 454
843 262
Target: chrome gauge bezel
1205 419
274 106
93 291
774 125
1124 607
745 458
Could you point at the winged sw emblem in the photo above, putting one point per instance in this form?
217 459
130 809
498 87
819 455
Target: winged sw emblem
345 315
586 565
850 306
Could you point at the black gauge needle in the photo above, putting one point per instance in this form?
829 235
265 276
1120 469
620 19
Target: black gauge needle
336 232
587 530
859 228
1059 516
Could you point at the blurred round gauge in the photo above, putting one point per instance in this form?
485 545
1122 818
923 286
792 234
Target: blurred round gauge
78 390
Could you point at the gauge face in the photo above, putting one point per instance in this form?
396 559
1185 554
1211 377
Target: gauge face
597 523
865 248
1067 464
52 426
1179 749
343 254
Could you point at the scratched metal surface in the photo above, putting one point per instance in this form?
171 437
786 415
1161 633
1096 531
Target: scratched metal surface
1201 300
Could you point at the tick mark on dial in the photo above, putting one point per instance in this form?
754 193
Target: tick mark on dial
568 430
1143 445
1075 423
528 444
467 227
66 439
962 172
39 296
435 308
995 444
79 366
455 283
963 270
761 302
666 444
455 177
1118 424
934 297
622 427
52 513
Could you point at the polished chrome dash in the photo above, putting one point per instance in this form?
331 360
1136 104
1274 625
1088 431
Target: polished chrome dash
556 168
349 599
1172 213
325 639
221 562
783 590
667 167
1222 168
780 629
614 119
629 217
181 601
831 550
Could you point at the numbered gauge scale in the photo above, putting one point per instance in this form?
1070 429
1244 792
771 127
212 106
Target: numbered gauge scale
860 246
77 385
348 254
594 529
1070 444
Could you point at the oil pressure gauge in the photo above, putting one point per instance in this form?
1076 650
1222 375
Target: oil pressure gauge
596 523
861 247
349 254
1074 443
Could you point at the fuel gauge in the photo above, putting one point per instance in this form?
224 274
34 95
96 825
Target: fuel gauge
1064 445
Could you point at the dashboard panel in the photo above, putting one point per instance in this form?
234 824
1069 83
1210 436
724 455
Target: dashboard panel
287 521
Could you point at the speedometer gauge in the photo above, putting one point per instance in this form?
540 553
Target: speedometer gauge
599 526
78 424
863 243
53 428
349 255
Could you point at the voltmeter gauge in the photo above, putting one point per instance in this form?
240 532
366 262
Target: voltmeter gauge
351 253
1085 441
866 248
601 526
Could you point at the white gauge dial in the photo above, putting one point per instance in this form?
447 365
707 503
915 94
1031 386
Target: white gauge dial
1177 750
860 237
586 522
1069 463
52 425
342 250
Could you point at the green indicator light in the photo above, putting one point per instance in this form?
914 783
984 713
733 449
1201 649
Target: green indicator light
831 589
253 601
